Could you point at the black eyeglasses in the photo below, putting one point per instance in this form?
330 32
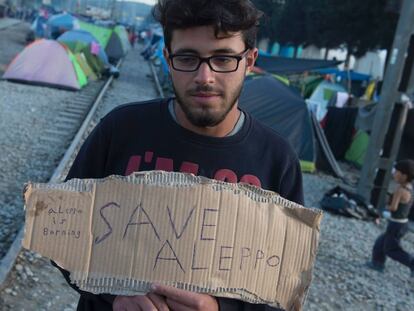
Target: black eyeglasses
217 63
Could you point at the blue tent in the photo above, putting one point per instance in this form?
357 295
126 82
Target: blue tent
38 26
58 24
284 65
345 75
85 37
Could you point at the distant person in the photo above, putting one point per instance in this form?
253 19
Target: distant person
132 37
388 243
210 48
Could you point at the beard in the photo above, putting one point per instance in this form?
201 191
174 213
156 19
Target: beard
204 116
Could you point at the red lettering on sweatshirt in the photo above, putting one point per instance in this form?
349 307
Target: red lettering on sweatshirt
133 165
251 179
226 175
166 164
189 167
148 156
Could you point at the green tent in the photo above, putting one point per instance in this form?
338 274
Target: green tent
102 34
309 84
118 46
83 63
83 42
356 152
94 62
123 36
82 79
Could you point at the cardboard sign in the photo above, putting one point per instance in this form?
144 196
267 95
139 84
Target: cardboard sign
118 235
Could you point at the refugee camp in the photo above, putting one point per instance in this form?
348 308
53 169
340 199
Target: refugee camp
206 155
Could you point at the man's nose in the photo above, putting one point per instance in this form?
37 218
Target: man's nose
204 74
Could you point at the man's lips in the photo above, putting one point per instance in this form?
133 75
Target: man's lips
205 94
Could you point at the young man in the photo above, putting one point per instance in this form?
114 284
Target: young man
210 46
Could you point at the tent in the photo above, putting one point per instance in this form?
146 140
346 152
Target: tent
38 26
357 82
81 41
338 126
345 75
276 106
309 84
284 65
58 24
118 45
356 152
101 34
324 92
364 122
47 62
86 68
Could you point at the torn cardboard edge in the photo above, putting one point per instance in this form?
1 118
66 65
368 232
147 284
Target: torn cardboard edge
282 230
130 287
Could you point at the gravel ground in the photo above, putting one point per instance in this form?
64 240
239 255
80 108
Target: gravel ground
341 282
26 111
12 41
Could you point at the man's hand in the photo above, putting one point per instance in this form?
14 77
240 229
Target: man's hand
148 302
181 300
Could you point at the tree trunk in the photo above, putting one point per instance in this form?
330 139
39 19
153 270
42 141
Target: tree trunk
326 54
387 59
348 70
295 52
347 59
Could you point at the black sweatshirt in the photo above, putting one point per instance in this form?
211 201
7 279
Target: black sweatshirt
143 136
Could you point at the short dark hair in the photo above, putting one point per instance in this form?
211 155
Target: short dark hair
224 15
407 168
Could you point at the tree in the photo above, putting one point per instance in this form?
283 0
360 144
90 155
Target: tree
288 32
358 25
272 10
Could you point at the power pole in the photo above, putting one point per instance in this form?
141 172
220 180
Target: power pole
378 163
113 8
410 84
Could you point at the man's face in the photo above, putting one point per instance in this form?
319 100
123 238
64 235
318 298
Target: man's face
206 97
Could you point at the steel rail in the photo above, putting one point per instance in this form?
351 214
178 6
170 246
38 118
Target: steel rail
7 262
157 81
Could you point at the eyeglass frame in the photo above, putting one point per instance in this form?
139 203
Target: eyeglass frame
206 60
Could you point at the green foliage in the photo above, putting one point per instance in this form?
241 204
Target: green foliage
272 10
359 25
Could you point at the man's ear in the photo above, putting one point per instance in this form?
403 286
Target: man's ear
251 59
166 56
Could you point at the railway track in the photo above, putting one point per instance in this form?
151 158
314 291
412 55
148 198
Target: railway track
73 120
8 22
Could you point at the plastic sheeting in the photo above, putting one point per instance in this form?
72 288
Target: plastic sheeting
283 65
